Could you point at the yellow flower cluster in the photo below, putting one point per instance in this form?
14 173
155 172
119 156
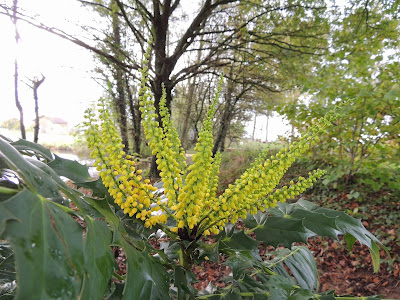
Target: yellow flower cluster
117 171
290 192
163 141
194 194
255 189
171 134
191 192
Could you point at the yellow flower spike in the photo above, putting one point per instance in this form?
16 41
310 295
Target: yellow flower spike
193 204
107 148
164 141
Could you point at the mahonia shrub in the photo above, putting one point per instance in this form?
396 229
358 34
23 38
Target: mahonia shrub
190 191
57 242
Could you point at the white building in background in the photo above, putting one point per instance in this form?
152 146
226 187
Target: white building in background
53 125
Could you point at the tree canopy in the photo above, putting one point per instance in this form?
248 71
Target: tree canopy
262 47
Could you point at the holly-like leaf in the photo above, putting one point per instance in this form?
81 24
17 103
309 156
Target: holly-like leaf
99 259
171 249
48 247
183 280
37 180
239 262
116 291
145 277
102 206
278 230
232 295
70 169
300 262
296 222
235 240
24 145
282 288
208 251
320 224
354 229
42 179
97 186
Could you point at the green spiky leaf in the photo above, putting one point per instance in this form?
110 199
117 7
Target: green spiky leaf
46 242
289 223
145 278
70 169
24 145
300 262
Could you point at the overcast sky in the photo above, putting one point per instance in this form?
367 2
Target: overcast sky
69 86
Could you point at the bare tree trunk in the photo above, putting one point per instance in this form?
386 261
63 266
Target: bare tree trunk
225 119
228 113
220 140
137 124
189 102
17 102
199 111
121 109
223 128
35 87
293 100
266 129
120 102
223 138
254 126
162 72
135 117
292 133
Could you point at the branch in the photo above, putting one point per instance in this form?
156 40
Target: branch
70 38
174 6
140 38
95 4
143 8
194 28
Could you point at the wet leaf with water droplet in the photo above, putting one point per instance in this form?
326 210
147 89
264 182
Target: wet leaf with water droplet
47 247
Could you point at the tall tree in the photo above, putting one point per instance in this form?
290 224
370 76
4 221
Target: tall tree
233 94
136 119
118 74
190 105
188 109
218 27
16 95
35 86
